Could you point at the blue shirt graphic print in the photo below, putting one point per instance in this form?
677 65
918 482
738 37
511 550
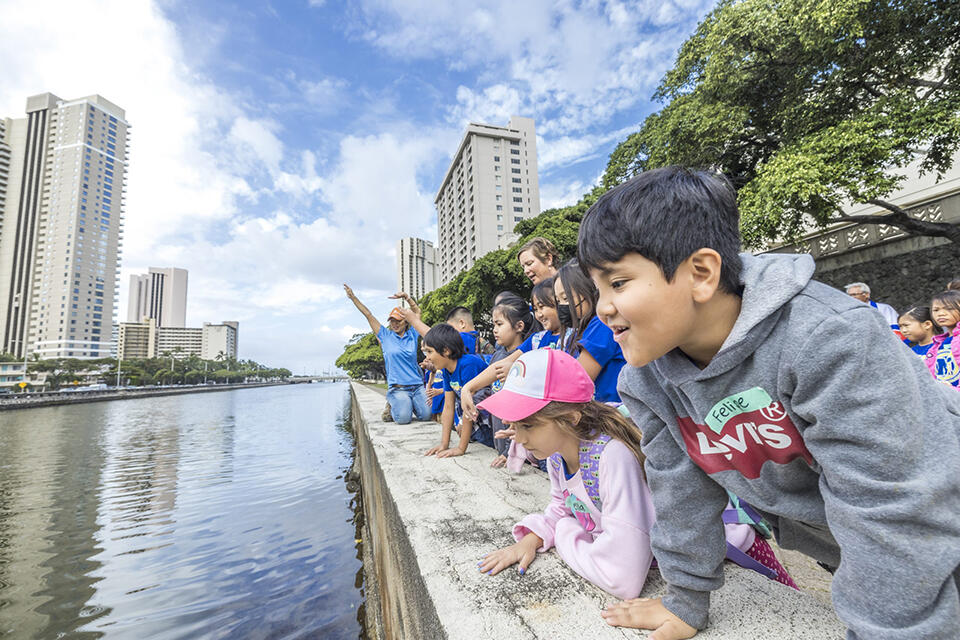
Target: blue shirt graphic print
947 369
468 366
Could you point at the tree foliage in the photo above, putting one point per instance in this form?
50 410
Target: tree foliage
808 106
363 357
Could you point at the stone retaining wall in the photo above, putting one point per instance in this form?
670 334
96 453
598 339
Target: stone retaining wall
429 521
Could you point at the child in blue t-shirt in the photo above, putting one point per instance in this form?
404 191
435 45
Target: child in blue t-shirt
592 342
918 328
512 322
443 347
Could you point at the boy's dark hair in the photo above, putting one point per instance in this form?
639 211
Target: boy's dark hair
543 291
665 215
576 284
459 312
445 340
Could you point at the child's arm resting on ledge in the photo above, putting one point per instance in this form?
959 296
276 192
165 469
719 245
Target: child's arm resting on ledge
688 538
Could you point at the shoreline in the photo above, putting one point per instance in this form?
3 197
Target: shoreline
83 397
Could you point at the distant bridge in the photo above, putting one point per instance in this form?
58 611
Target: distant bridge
327 377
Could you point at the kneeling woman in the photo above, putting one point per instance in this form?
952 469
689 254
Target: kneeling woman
404 378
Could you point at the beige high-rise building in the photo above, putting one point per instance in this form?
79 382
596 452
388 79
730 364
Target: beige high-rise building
160 294
63 190
490 186
416 266
145 339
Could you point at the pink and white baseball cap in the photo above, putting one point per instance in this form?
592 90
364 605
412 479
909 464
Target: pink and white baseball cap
535 380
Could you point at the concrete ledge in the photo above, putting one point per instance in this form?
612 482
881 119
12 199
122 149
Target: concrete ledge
428 522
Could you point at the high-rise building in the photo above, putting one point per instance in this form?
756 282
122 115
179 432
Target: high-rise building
147 340
62 177
160 294
416 266
220 340
490 186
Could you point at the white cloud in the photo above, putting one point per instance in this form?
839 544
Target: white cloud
572 66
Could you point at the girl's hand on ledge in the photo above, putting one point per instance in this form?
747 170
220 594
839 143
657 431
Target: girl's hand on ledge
522 553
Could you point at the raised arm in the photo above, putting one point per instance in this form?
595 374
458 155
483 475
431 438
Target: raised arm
415 321
375 325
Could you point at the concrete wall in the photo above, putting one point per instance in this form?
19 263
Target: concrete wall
429 521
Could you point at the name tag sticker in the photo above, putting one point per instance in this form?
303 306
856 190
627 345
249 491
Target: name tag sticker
739 403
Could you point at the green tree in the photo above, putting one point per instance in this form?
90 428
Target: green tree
363 357
807 105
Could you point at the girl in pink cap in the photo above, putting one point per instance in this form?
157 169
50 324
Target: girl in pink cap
600 510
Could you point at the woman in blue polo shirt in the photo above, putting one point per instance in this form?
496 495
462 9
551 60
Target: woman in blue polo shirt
399 343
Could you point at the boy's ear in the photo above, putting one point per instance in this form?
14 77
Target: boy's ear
705 267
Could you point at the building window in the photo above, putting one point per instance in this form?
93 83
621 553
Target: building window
515 170
517 219
499 227
514 160
520 209
499 207
517 180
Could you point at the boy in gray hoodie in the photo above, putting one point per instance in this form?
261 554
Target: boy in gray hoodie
746 375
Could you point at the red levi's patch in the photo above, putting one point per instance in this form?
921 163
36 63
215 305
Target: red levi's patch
745 442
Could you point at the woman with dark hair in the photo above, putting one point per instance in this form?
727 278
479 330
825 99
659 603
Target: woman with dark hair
539 259
405 393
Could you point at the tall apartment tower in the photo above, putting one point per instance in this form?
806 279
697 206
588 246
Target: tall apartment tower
160 294
416 266
490 186
61 202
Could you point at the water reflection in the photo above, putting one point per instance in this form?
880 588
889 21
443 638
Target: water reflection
216 515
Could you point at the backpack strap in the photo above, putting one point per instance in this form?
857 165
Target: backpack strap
743 513
735 555
590 451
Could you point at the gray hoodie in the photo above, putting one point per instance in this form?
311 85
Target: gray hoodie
817 415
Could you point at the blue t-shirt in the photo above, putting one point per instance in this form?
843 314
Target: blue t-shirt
597 340
468 366
920 350
400 356
947 369
438 384
469 341
539 340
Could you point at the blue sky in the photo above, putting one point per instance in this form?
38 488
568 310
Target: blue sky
280 149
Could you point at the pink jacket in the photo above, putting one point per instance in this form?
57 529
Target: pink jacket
931 358
611 548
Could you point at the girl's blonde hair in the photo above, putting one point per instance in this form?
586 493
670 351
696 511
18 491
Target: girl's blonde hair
596 418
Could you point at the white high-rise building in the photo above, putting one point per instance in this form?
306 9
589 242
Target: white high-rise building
62 183
160 294
490 186
416 267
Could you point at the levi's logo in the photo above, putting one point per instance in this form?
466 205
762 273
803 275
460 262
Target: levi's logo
742 432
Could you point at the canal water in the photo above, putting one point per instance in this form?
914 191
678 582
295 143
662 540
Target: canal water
221 515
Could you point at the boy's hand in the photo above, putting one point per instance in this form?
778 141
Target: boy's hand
435 450
451 452
648 613
433 392
466 404
522 552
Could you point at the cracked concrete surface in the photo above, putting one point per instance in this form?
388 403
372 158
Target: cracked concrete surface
430 520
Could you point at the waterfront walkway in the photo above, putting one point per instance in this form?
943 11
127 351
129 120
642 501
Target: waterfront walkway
429 521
